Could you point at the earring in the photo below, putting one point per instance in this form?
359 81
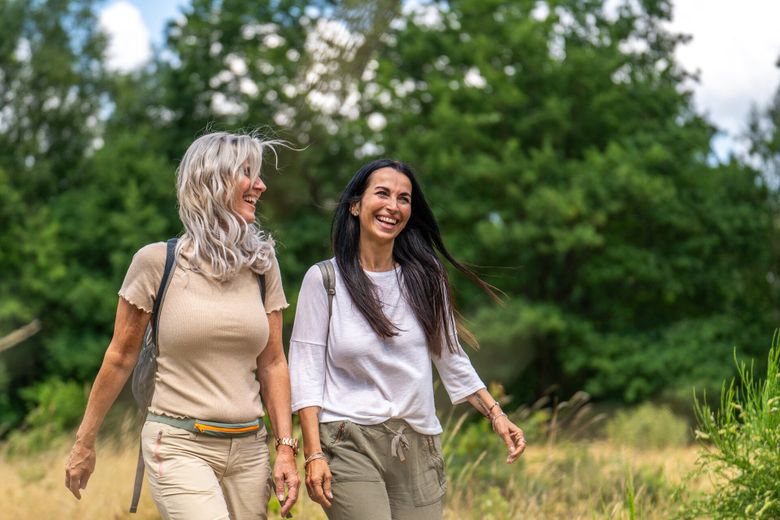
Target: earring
354 212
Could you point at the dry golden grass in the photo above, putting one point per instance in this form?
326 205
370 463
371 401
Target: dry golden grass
568 481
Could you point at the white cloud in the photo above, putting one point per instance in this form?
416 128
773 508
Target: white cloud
128 38
735 48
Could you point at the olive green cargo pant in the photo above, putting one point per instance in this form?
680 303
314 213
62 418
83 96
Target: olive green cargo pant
383 472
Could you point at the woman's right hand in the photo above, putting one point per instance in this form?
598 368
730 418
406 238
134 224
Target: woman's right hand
79 467
318 480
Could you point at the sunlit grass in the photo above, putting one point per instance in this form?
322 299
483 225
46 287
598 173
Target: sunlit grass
568 480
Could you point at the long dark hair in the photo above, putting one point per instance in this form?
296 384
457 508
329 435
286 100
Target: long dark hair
425 283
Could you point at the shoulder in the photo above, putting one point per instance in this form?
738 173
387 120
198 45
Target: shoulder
151 253
314 274
151 257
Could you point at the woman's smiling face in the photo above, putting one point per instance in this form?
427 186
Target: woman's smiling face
385 207
246 195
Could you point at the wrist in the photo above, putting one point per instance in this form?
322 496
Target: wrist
284 451
86 440
317 455
494 419
288 444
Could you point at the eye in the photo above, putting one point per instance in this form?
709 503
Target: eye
405 199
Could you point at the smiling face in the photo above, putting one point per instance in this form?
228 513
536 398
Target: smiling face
246 195
385 207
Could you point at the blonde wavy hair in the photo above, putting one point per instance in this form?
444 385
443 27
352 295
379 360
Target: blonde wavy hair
218 242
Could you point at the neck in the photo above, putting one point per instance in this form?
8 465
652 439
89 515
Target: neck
376 257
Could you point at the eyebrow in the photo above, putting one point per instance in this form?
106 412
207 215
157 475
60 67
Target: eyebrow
380 187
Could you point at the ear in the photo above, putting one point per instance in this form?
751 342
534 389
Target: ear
355 209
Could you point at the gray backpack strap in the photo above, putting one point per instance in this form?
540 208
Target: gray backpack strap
261 283
329 281
170 257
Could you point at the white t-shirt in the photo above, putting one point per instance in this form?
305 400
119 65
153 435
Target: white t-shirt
360 377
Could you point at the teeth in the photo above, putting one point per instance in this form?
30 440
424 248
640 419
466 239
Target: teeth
387 220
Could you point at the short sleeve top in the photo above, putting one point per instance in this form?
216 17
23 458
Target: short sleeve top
210 336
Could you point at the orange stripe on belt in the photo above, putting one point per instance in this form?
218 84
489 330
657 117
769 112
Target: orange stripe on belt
203 427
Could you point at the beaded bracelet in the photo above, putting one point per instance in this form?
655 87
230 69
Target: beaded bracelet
314 456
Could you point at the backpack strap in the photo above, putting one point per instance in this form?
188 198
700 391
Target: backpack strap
329 281
261 283
170 258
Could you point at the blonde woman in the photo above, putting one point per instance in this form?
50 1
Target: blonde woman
220 349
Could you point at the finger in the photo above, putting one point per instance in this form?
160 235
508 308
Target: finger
515 454
326 487
292 491
519 447
73 486
279 487
286 506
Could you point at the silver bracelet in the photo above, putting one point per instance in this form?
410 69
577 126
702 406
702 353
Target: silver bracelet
493 419
314 456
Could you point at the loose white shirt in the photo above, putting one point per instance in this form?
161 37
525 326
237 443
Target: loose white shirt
350 373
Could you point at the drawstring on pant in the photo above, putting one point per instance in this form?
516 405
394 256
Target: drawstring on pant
399 444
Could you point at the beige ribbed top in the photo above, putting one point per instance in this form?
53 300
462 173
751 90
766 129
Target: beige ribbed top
210 336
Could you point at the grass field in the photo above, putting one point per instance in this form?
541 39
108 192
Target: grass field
566 480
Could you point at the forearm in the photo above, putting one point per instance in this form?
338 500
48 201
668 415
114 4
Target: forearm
310 428
484 403
111 377
275 390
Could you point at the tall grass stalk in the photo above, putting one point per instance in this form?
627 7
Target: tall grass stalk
741 441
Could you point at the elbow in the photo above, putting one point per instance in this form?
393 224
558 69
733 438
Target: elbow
122 362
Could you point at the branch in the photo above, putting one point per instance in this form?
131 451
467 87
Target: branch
20 334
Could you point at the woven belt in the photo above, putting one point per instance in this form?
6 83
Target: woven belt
214 429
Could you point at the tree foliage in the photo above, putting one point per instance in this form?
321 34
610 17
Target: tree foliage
556 141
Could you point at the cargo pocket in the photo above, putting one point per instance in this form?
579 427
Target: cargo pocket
331 434
430 482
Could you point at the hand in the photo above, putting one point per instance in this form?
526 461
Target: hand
512 435
318 479
79 467
286 475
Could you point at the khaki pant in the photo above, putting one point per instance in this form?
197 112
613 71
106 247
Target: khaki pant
383 472
199 477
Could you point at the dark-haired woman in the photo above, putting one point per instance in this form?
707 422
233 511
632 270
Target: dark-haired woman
361 374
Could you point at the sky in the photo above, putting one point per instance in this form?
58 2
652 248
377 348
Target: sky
735 48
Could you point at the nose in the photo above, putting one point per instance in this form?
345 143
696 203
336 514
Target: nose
259 185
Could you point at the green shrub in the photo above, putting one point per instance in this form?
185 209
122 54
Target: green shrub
741 442
57 407
647 426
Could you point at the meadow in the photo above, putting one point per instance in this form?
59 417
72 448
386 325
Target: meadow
633 465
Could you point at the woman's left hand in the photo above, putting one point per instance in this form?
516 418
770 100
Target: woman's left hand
286 476
513 437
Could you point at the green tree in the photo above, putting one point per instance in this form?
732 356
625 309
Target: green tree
560 143
51 83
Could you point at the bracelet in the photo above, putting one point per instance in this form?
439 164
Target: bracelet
495 403
288 441
493 419
317 455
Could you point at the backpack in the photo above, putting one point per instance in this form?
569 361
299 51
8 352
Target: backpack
146 366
